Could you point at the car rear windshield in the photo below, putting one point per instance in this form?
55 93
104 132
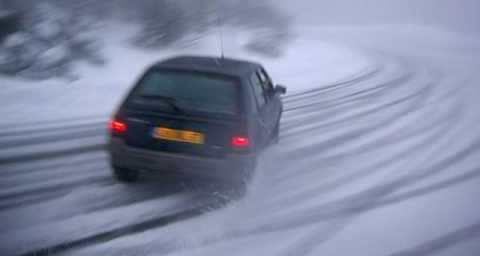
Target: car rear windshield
189 91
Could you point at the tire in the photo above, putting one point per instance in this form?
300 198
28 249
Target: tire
126 175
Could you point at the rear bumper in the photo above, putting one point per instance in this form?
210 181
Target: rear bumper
232 167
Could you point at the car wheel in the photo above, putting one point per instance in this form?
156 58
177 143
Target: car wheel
126 175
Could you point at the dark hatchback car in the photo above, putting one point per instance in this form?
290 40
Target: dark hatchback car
201 115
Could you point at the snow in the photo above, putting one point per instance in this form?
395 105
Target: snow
99 89
5 12
16 39
47 29
53 56
83 226
384 165
387 172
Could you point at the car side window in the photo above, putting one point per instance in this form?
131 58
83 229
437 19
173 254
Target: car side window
258 90
266 81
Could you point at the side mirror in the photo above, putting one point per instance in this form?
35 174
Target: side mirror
280 89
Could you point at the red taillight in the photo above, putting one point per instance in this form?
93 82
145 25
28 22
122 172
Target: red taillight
118 126
241 142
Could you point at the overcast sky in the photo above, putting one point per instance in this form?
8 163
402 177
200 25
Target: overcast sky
456 14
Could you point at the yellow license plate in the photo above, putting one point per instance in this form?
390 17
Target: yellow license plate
179 135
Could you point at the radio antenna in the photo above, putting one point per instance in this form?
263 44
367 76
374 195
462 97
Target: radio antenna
220 32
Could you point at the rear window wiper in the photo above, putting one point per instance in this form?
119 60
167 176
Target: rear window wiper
172 102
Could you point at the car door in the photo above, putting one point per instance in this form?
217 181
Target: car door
262 115
274 104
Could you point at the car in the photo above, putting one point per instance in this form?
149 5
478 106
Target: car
199 115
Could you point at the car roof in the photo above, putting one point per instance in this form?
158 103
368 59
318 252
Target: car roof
224 66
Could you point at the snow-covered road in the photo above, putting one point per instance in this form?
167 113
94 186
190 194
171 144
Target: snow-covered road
383 161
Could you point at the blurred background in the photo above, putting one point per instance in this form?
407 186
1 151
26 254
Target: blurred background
459 15
43 38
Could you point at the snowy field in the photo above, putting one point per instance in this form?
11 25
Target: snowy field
99 89
379 155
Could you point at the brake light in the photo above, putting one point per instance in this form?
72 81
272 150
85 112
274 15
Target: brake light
241 142
118 126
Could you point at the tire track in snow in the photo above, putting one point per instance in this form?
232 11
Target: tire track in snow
331 88
47 125
421 138
369 199
328 113
348 137
102 226
444 242
52 187
377 196
167 245
388 187
44 166
59 136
